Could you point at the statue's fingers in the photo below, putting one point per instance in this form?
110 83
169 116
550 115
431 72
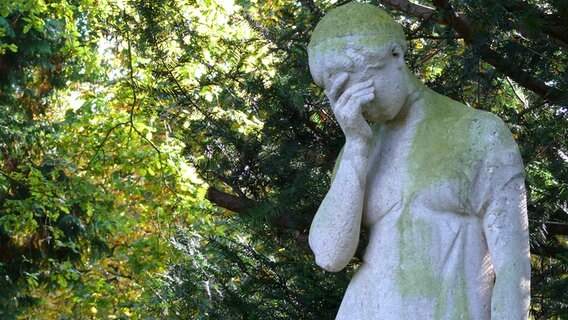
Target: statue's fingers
352 110
361 88
337 85
357 87
362 97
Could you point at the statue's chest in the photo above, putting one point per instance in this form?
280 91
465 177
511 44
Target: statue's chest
392 182
385 185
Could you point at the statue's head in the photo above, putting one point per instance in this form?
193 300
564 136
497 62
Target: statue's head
354 27
360 42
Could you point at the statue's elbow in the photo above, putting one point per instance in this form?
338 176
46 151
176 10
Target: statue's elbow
329 255
329 264
329 259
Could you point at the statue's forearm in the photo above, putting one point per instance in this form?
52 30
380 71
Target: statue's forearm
506 231
511 292
334 234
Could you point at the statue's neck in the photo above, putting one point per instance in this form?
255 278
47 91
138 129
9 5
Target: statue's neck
414 106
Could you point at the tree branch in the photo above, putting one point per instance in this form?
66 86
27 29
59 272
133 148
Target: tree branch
552 25
411 8
557 228
551 251
286 219
229 201
476 35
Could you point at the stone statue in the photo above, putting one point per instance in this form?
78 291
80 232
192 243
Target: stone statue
439 185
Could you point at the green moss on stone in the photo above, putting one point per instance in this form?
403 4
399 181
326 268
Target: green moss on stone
416 276
459 304
370 25
444 148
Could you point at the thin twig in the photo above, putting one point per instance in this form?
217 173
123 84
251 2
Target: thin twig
516 93
101 145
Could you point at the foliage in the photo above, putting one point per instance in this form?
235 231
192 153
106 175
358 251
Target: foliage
224 278
89 189
41 232
120 118
284 166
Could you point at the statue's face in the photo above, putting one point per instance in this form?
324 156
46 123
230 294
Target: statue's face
386 69
391 87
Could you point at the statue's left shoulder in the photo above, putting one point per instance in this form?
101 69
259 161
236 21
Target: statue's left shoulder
490 130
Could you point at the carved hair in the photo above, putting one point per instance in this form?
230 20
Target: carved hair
354 26
355 56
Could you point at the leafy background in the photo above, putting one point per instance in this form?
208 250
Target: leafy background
164 159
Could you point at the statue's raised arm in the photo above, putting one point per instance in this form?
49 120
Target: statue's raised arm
440 185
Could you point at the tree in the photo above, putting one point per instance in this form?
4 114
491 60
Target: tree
90 190
508 58
120 118
40 231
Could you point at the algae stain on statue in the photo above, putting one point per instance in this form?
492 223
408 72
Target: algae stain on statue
416 275
435 146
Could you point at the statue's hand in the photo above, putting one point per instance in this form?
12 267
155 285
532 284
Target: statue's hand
347 106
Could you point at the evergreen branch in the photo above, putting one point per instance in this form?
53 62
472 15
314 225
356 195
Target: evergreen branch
517 95
414 9
285 220
552 25
313 7
556 252
557 228
474 36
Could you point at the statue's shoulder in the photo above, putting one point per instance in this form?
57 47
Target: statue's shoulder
485 118
490 129
479 123
455 121
458 111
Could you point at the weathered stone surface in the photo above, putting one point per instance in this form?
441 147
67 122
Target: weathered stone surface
439 185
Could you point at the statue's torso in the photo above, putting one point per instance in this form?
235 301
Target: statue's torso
427 255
